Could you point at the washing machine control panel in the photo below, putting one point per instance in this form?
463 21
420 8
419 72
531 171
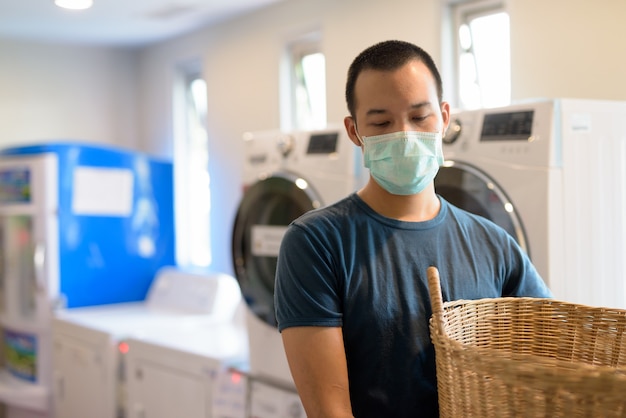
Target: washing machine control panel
323 143
507 126
516 134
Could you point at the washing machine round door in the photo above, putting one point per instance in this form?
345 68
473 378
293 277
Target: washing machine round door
469 188
265 211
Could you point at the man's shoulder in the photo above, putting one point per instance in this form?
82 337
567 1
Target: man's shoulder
333 212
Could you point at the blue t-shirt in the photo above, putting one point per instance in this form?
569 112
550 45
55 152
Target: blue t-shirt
347 266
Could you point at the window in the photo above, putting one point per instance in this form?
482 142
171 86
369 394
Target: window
306 86
482 52
191 171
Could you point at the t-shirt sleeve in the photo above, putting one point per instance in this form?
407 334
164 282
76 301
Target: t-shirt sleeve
306 289
524 279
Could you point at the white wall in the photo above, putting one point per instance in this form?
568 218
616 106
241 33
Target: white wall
560 48
66 92
568 48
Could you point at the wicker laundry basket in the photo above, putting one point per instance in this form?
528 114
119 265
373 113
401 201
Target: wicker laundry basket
527 357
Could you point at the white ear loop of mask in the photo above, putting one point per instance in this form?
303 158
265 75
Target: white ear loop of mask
356 130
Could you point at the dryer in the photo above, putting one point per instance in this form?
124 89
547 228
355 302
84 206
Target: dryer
89 344
190 373
285 175
552 173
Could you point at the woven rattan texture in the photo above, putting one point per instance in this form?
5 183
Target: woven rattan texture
528 357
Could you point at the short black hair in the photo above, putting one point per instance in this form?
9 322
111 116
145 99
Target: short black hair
388 56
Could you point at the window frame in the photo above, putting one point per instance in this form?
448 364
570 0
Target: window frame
187 228
295 51
455 14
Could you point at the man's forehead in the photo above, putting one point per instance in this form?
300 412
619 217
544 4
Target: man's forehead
413 71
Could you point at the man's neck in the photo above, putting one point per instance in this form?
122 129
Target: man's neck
420 207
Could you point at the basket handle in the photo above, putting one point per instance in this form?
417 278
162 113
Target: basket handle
436 300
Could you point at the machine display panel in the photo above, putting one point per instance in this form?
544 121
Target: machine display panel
323 143
509 126
15 185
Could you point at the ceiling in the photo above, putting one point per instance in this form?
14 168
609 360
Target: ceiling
116 22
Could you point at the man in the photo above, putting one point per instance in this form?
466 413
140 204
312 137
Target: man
351 290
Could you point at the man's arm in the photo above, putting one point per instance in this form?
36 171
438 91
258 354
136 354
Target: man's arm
317 360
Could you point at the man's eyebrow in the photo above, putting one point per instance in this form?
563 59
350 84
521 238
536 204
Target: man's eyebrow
419 105
375 112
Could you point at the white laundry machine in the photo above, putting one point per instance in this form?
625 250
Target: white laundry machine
89 347
552 172
285 175
191 375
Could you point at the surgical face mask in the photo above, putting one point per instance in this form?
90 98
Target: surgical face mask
405 162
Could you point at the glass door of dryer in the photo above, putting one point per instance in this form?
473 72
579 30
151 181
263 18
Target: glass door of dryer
27 220
266 209
18 277
27 238
469 188
18 292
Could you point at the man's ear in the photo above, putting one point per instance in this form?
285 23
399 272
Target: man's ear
445 115
348 122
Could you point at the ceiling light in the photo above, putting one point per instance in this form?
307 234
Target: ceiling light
74 4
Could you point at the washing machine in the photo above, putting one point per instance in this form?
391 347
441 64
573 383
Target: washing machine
552 173
188 374
285 175
89 348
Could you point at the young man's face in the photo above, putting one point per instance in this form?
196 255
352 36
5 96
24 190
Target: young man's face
404 99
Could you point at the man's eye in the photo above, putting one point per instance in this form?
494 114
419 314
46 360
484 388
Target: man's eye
380 124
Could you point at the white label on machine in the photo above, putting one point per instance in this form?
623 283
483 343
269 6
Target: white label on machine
266 239
102 191
580 122
231 394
